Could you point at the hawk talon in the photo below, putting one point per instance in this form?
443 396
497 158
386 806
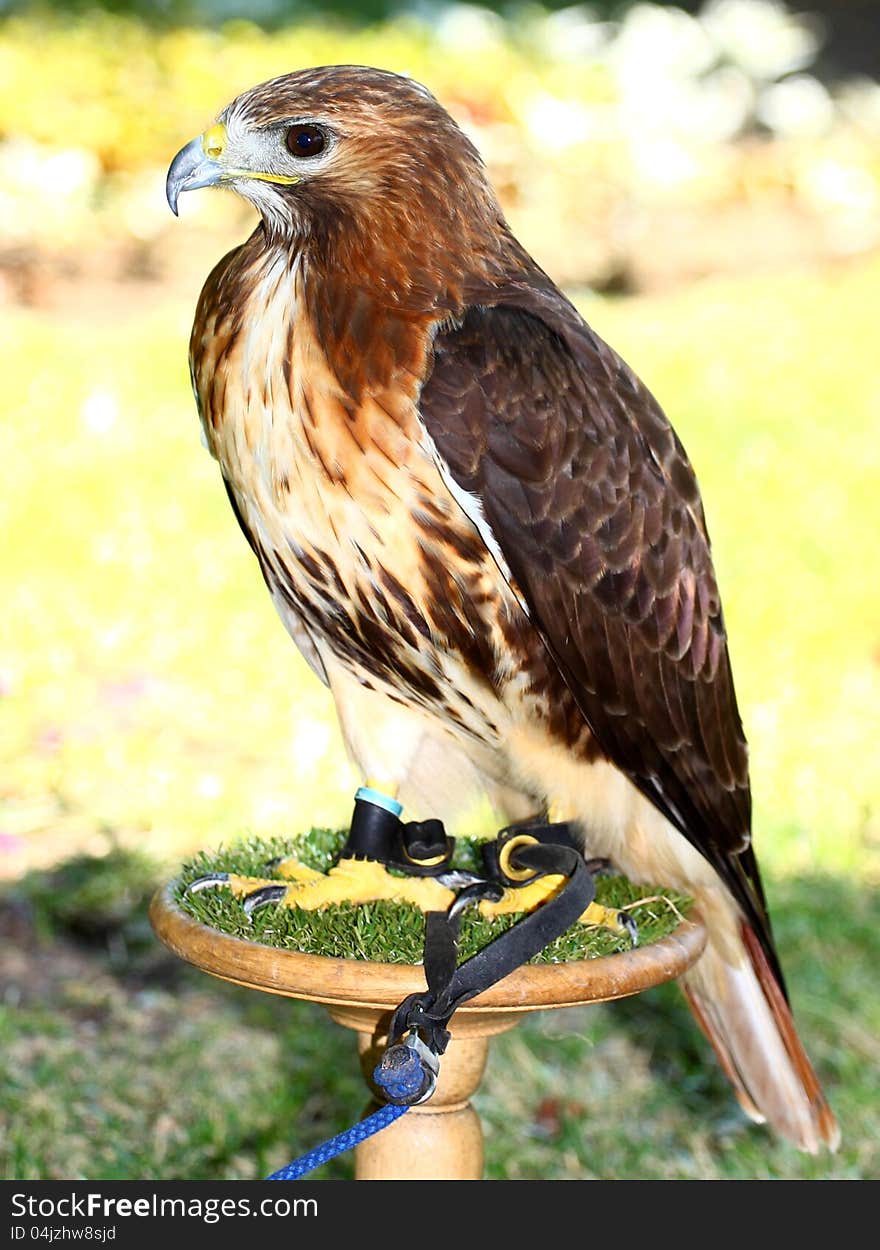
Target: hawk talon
458 878
263 897
207 882
599 866
628 923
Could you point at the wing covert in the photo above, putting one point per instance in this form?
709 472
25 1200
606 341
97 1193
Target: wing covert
594 505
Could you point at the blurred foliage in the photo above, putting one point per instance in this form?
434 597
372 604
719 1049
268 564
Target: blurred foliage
92 896
272 14
602 127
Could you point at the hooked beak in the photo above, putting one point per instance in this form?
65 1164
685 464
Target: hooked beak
193 167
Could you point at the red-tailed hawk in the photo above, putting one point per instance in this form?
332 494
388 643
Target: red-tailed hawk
477 523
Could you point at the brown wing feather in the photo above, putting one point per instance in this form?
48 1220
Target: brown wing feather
595 507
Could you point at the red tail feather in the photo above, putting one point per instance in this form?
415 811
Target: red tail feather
744 1014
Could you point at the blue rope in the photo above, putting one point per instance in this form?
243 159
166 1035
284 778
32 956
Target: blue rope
340 1143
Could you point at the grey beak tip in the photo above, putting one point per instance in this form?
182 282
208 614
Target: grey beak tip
190 169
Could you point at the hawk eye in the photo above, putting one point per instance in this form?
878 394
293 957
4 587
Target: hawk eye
306 140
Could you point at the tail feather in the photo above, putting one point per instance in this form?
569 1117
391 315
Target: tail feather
744 1014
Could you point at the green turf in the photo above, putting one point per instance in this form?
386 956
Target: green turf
394 932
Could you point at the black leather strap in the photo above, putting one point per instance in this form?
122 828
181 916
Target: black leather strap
418 847
450 984
519 855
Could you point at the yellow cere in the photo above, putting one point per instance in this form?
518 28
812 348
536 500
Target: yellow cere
214 141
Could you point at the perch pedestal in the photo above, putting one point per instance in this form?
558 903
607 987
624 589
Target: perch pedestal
442 1139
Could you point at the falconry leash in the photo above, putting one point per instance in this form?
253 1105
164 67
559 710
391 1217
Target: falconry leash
520 856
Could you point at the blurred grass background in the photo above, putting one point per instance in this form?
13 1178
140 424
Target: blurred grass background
707 186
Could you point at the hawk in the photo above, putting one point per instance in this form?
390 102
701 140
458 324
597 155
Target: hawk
478 524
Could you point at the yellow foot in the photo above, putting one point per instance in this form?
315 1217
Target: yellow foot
349 881
365 881
290 869
526 898
619 922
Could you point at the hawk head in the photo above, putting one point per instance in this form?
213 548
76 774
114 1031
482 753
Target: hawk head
351 161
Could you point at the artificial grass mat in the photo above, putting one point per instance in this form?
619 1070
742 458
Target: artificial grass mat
387 932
